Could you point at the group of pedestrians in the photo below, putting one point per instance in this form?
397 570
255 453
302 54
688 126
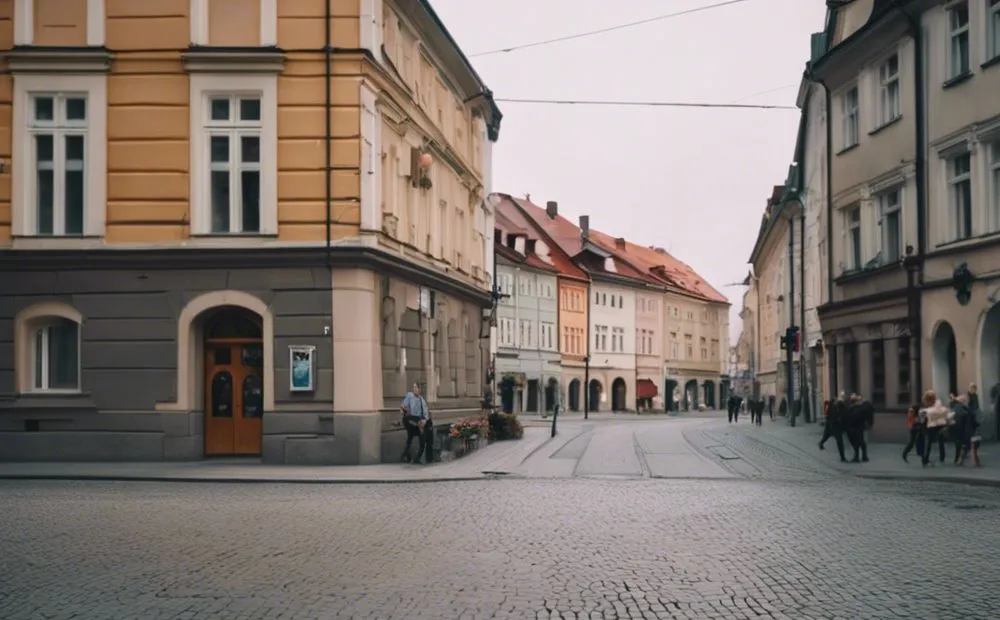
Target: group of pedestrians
853 416
735 404
931 422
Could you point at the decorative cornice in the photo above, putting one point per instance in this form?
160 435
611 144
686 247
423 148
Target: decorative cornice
200 59
33 59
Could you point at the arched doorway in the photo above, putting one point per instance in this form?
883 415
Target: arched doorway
594 395
989 359
574 395
507 395
551 394
234 386
691 395
669 389
619 394
709 389
944 367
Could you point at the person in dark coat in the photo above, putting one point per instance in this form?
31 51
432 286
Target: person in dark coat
859 420
731 407
835 427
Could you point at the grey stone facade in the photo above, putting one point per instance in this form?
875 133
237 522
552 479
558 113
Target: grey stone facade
142 399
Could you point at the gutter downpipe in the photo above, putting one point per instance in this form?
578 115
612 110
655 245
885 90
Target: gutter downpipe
789 352
827 104
586 360
916 335
328 137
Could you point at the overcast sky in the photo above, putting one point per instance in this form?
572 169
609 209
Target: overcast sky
693 181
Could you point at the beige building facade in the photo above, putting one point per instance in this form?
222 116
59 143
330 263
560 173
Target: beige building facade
237 227
960 301
871 70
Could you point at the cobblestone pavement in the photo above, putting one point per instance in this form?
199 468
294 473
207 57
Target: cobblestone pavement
570 548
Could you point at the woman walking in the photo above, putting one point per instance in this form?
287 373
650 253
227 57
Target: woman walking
936 416
914 423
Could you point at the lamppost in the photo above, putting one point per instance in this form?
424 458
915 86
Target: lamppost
496 294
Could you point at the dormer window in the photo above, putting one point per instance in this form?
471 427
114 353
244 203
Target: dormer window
609 265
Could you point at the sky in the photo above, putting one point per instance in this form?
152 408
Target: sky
691 180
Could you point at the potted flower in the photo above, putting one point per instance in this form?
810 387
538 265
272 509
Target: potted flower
468 431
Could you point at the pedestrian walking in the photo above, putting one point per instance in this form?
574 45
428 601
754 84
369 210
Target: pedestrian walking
730 407
977 420
860 419
915 427
416 420
834 426
936 416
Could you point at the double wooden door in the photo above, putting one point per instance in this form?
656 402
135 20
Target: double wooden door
234 398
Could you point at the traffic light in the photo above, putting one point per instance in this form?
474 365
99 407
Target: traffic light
794 338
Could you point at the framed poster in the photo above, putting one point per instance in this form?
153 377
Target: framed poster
301 368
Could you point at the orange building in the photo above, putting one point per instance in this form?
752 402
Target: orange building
237 227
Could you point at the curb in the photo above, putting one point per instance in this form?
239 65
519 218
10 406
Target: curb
186 479
975 482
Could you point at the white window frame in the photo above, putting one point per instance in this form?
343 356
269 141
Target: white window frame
849 226
955 215
953 34
993 179
886 208
198 11
890 92
42 326
24 22
992 30
94 88
851 130
203 88
506 326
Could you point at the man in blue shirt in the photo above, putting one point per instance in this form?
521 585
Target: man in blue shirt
415 416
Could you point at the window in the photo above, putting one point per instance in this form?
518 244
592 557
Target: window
704 354
525 340
960 195
889 216
233 150
618 339
851 127
888 75
505 282
506 332
60 123
56 355
612 301
903 396
958 40
546 336
993 29
854 238
523 286
994 182
690 352
675 350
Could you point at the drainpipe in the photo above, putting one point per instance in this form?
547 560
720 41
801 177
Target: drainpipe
789 353
831 368
586 360
920 113
803 384
328 137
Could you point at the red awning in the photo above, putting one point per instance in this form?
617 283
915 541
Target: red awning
645 388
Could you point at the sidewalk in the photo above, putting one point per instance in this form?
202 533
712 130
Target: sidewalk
496 459
886 459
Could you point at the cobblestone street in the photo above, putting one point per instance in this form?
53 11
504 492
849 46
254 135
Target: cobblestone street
573 548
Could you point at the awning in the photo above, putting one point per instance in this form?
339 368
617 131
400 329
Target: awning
645 388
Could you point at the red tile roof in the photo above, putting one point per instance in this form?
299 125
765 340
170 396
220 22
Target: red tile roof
561 258
648 265
531 259
664 267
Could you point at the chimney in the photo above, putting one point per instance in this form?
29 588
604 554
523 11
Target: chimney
585 226
552 208
620 243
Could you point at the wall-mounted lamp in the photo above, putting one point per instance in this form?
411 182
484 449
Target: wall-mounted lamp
425 161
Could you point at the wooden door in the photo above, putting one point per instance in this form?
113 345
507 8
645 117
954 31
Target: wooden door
234 398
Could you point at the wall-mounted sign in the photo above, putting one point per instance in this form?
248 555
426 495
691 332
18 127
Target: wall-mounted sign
301 368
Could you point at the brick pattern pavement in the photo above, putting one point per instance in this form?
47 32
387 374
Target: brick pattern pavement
742 549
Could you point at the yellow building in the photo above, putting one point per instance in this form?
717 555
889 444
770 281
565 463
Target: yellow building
237 227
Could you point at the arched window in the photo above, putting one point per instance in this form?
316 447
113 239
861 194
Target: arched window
55 354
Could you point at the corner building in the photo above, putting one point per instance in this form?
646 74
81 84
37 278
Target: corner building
200 196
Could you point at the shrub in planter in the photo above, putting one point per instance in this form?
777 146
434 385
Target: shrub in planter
467 428
504 426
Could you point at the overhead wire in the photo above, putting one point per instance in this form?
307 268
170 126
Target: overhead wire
590 33
647 104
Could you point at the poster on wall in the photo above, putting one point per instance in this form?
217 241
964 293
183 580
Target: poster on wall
301 368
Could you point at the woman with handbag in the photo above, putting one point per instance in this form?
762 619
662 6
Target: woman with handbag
936 416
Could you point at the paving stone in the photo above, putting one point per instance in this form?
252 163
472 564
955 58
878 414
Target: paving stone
819 547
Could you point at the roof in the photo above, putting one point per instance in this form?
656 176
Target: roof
650 266
566 235
509 212
664 268
530 259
